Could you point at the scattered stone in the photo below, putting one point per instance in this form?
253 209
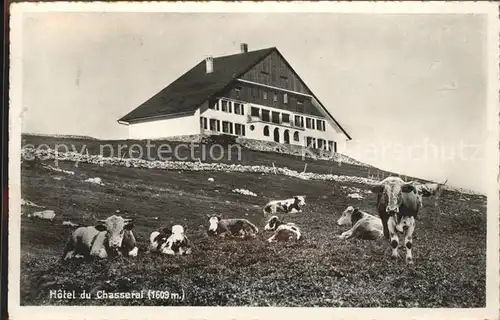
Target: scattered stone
46 214
245 192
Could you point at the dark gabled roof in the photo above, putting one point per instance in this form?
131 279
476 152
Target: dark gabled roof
190 90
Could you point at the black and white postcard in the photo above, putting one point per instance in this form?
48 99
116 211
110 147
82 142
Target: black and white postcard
253 160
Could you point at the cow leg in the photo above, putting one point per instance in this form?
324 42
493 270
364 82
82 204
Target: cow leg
168 251
272 238
385 227
69 249
391 225
409 241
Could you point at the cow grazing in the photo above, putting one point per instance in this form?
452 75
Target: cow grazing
231 227
282 231
397 205
290 205
364 225
172 241
108 238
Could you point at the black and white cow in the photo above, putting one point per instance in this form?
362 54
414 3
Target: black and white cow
110 237
364 225
290 205
397 205
218 226
172 241
282 231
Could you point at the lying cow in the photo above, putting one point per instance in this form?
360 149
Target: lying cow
110 237
231 227
291 205
171 241
282 231
364 225
397 205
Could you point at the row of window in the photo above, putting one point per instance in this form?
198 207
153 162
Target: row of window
321 144
295 134
228 106
239 129
227 127
265 96
281 117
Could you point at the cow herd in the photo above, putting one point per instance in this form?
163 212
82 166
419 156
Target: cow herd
398 204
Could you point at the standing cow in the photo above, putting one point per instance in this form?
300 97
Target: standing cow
110 237
397 205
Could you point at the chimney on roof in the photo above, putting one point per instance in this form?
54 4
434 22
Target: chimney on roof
209 63
244 48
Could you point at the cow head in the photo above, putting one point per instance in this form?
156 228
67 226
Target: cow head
115 227
272 224
300 200
391 192
177 233
347 216
213 224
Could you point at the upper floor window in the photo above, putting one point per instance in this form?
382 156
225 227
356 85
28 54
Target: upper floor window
225 106
265 115
275 97
285 98
275 117
255 112
320 125
299 121
285 118
237 91
309 123
238 108
264 95
300 106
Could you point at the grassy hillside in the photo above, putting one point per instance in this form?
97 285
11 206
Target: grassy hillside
449 248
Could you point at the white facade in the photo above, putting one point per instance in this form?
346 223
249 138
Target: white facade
164 128
239 118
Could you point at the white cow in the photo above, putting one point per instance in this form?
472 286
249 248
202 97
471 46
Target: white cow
364 225
110 237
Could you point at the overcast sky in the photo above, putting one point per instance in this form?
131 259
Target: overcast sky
390 80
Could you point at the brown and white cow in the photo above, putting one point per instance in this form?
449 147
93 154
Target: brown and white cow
291 205
364 225
282 231
110 237
172 241
397 206
218 226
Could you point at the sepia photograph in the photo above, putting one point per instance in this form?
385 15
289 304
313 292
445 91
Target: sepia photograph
287 156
